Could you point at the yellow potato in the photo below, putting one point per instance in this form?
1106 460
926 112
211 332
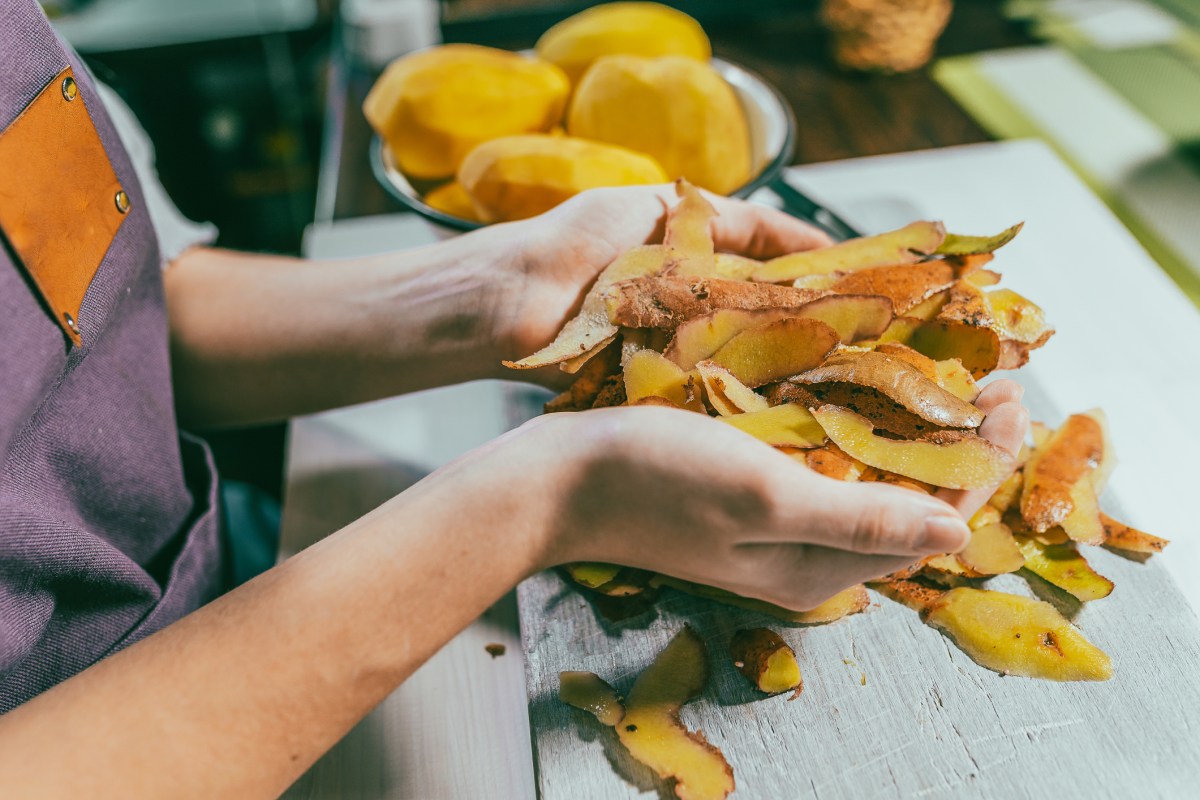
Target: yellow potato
676 109
434 106
516 177
638 29
450 198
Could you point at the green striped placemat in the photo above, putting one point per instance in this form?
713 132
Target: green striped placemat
1116 92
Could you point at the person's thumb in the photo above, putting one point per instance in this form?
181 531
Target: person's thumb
876 518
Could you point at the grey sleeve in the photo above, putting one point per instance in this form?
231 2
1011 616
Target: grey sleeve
175 232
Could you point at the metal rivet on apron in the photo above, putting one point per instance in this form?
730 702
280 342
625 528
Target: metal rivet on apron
71 323
70 89
122 201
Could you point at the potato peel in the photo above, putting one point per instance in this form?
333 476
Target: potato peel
951 459
586 691
906 286
843 604
1014 635
899 380
1120 536
977 349
906 245
726 394
1068 456
957 245
687 233
591 327
667 301
789 425
651 730
776 350
766 660
1065 567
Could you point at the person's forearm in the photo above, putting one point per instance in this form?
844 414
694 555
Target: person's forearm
257 338
239 698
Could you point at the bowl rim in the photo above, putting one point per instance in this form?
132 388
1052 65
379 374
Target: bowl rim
384 171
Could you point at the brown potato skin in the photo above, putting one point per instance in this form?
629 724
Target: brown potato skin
886 414
905 285
666 301
590 381
830 461
1075 450
900 381
1120 536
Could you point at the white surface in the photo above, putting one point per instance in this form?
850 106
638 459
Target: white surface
1117 24
1112 305
1108 138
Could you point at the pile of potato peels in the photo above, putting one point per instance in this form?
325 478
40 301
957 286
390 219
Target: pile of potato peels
861 361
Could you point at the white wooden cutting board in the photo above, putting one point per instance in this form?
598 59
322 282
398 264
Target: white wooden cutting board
928 722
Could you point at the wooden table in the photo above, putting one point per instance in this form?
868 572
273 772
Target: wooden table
461 727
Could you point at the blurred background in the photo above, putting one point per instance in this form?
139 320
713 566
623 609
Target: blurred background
254 106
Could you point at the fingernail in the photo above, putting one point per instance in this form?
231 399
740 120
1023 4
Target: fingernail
945 534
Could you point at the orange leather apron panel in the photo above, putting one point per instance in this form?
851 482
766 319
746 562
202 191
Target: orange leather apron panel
60 201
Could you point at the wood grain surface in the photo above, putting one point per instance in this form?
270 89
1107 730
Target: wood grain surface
890 708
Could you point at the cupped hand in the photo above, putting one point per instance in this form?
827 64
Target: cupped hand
557 255
685 495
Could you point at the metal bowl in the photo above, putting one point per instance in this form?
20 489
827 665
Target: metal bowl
772 134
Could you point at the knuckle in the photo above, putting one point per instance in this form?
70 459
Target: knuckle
876 525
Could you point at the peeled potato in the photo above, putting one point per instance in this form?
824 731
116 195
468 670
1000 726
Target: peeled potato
516 177
639 29
450 198
434 106
676 109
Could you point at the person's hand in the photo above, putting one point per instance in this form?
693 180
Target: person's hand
685 495
555 257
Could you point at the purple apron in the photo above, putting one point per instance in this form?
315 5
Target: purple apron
108 513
